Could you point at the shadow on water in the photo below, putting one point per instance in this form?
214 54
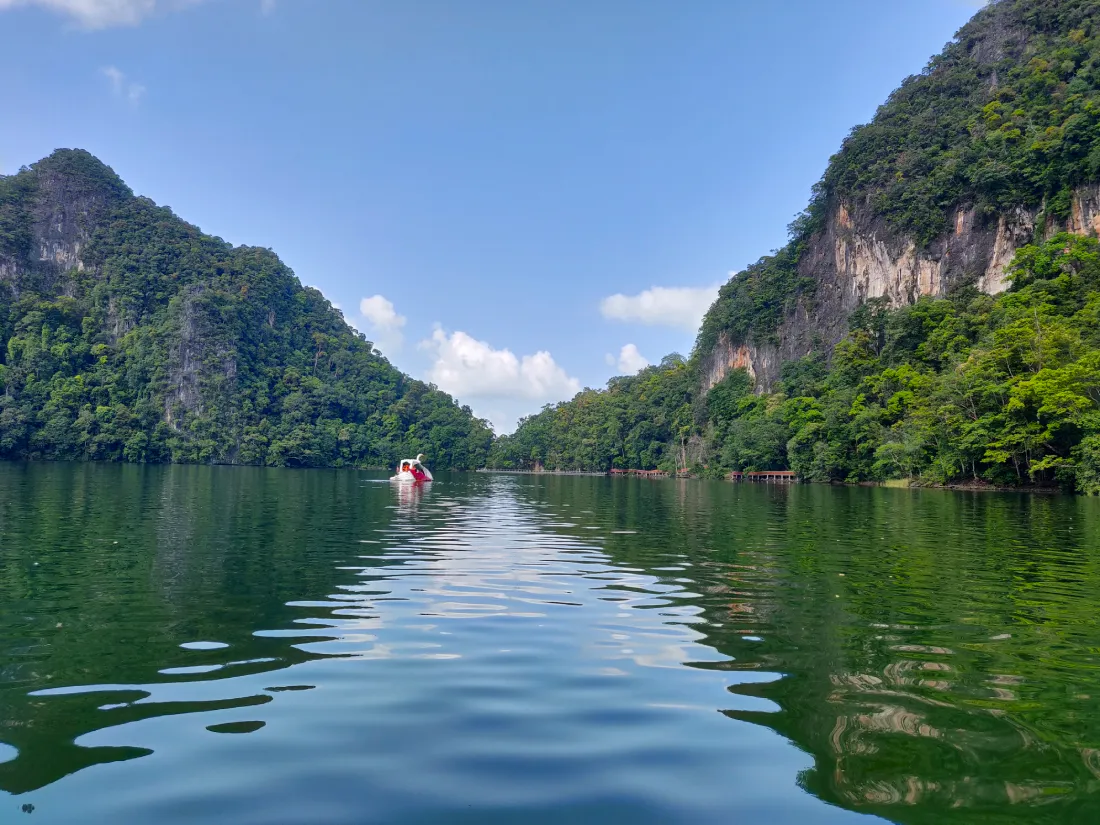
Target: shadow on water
938 654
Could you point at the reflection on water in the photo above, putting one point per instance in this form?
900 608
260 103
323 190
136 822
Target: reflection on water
191 644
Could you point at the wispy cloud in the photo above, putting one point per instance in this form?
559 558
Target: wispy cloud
121 86
682 307
101 14
267 7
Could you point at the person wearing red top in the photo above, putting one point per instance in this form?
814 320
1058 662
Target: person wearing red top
417 473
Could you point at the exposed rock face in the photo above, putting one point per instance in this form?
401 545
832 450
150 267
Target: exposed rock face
857 257
1085 217
969 130
63 219
184 362
201 362
127 334
727 357
74 193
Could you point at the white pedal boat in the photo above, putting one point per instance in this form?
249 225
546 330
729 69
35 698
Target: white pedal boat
406 477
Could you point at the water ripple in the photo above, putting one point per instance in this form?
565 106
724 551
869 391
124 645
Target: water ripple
544 650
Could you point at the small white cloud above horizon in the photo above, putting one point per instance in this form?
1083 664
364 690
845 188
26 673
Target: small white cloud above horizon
101 14
680 307
629 362
121 86
468 368
384 326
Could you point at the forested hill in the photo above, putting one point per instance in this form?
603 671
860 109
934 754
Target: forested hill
128 334
935 315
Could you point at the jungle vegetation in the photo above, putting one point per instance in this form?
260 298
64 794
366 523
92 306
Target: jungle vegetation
169 345
967 387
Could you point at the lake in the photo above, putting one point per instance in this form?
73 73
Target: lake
239 645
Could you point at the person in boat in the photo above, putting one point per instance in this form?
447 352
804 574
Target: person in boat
417 473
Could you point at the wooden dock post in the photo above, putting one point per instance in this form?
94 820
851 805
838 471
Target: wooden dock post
766 477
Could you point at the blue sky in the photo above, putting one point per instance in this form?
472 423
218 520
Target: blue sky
513 198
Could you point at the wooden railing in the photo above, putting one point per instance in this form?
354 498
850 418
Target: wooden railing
640 473
766 477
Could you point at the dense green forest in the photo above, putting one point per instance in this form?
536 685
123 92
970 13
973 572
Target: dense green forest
1003 390
635 422
165 344
150 341
968 387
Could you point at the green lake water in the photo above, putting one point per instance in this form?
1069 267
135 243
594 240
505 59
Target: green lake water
235 645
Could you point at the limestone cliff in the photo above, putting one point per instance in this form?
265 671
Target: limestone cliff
995 145
858 258
66 197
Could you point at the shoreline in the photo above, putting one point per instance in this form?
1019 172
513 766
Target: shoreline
490 471
969 486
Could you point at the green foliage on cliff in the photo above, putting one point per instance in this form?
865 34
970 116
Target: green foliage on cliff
999 390
1008 115
753 303
15 229
1003 390
172 345
637 421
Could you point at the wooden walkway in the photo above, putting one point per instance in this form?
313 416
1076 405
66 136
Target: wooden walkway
766 477
540 472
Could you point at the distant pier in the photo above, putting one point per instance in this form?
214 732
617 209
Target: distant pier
761 477
539 472
766 477
641 473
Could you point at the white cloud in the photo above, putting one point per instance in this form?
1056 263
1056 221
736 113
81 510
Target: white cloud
99 14
267 7
120 85
630 361
466 367
384 325
682 307
381 312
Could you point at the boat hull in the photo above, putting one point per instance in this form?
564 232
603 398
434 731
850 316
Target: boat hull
408 478
405 477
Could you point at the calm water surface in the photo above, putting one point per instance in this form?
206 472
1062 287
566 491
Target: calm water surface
220 645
